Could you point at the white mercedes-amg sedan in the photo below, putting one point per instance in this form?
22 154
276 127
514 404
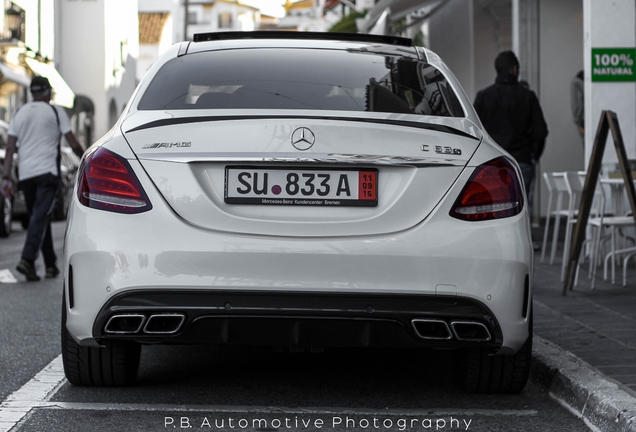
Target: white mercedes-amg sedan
299 190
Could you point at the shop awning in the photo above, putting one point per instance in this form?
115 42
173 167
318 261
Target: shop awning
63 96
14 74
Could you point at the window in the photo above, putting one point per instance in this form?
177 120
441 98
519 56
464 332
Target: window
301 79
225 20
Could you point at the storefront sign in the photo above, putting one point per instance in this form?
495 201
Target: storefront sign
613 64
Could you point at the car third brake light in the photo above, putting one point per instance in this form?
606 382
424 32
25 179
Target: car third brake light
492 192
107 182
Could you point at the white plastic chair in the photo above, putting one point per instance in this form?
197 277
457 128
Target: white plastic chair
632 252
614 224
555 182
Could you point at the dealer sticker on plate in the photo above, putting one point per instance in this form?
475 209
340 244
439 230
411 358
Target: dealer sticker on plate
308 187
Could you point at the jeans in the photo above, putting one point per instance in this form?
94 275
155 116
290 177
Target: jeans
40 194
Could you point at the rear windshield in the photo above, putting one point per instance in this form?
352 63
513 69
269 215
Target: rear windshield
304 79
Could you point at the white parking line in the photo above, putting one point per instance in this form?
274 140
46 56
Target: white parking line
37 391
252 409
7 277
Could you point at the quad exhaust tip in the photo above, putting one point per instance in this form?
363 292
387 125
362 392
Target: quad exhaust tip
132 323
125 323
168 323
430 328
438 329
472 331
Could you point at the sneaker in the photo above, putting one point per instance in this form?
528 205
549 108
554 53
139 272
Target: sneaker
28 270
51 272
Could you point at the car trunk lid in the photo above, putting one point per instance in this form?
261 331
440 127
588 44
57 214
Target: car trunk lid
196 163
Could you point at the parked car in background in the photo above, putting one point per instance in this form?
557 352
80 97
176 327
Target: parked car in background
13 208
69 164
292 189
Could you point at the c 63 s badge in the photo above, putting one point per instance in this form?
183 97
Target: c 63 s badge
167 144
442 149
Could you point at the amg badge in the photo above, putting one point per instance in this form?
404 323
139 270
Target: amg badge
167 144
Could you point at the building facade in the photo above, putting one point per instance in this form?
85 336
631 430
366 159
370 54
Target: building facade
97 49
163 23
27 50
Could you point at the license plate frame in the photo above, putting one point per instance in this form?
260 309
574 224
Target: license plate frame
330 187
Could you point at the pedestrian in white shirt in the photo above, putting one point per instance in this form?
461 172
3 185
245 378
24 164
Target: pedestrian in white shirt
37 128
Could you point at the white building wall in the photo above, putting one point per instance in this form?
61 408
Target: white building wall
122 51
466 36
148 54
80 35
487 45
208 18
245 18
305 19
609 24
450 35
97 53
158 5
40 41
560 59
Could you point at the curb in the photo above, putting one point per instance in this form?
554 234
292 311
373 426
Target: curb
603 404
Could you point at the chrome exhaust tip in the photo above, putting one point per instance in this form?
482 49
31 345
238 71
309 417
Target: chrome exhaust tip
472 331
429 328
168 323
125 324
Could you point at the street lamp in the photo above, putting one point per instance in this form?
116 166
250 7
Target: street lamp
14 19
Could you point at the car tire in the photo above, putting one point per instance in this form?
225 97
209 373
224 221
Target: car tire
7 216
476 371
114 365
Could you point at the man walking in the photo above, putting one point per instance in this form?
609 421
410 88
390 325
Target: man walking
512 116
38 127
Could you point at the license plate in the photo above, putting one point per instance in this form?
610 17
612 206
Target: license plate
305 187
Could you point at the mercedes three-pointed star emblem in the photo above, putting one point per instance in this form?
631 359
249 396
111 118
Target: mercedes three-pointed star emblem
302 138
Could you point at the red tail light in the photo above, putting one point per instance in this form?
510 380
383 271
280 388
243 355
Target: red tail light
492 192
107 182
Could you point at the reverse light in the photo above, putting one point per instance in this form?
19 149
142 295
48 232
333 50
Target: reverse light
107 182
492 192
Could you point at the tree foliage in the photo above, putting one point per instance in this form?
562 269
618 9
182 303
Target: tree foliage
348 23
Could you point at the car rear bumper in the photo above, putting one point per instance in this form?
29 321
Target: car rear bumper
297 319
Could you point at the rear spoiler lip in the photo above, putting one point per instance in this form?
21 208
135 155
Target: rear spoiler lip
404 123
329 36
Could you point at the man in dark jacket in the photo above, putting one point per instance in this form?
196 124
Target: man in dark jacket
512 116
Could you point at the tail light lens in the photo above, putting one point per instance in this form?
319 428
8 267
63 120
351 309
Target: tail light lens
492 192
107 182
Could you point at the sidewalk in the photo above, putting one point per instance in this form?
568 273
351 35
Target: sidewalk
596 326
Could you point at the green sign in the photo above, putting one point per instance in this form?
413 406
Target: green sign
613 64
